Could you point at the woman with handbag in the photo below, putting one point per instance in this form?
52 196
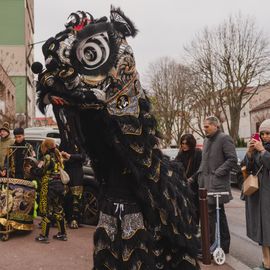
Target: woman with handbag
52 191
191 157
257 204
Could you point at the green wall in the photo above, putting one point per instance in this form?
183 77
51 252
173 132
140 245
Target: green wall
20 84
12 22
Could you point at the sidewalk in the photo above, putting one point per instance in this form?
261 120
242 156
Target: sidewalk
218 267
230 264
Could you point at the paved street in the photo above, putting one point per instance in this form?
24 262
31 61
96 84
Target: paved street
242 248
21 252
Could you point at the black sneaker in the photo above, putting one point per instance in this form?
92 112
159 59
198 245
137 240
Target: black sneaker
60 236
42 239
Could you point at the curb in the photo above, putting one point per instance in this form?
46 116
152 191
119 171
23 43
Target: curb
235 263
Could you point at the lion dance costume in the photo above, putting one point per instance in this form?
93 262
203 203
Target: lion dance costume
146 219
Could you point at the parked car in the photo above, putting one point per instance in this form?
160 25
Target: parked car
170 152
236 176
42 132
90 194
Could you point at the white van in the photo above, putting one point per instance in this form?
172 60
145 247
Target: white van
42 132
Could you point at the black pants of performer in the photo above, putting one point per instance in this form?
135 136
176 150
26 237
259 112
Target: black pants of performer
225 237
54 208
121 239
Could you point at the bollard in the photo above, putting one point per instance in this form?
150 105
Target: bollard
205 236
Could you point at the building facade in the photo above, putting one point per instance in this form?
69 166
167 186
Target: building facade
16 54
259 107
7 98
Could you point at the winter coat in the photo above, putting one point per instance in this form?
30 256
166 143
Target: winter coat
4 144
191 161
218 158
258 204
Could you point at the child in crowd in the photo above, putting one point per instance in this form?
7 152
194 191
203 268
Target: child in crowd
52 191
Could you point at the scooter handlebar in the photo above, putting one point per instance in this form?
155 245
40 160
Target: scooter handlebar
218 193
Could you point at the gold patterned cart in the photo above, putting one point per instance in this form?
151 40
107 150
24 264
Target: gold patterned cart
17 199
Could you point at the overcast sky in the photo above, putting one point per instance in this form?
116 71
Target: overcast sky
165 26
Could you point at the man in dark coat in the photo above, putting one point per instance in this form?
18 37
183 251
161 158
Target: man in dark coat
218 158
14 162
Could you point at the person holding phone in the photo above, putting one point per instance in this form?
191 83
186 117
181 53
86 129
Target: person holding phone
257 204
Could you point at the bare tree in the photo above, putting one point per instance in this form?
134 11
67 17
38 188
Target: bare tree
170 84
227 60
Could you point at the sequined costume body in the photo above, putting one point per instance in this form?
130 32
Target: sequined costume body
51 193
146 215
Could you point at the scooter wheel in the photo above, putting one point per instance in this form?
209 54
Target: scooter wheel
219 256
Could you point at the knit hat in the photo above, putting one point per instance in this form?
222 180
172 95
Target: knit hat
265 126
18 131
5 127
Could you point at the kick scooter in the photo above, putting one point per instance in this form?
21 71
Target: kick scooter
218 253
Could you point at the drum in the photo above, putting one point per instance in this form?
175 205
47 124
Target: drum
17 199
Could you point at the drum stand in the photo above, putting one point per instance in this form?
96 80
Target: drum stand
8 227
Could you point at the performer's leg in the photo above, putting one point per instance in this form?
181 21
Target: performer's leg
45 212
121 239
212 222
59 217
45 228
224 230
76 192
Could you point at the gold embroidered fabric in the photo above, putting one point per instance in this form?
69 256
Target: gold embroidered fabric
17 203
16 225
16 181
130 129
109 224
156 175
127 252
137 148
77 190
131 223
